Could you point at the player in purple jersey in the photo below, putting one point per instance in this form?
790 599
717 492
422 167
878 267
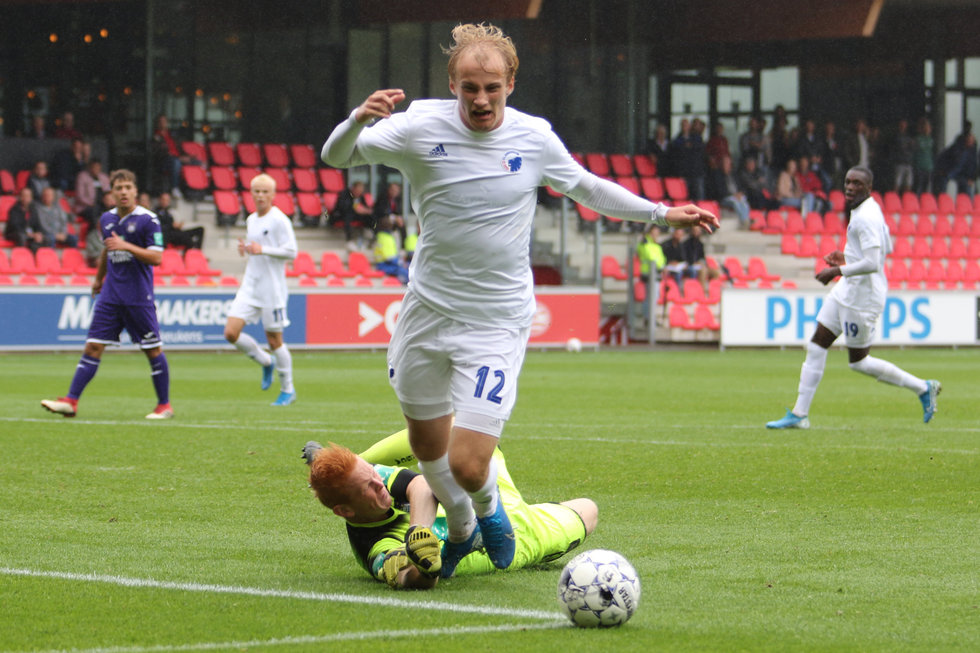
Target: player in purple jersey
124 287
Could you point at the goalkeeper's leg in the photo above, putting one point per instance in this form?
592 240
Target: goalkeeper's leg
423 549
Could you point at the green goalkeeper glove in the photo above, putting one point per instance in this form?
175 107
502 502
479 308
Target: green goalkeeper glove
423 549
395 560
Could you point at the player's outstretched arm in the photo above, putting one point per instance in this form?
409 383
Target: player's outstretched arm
379 104
690 215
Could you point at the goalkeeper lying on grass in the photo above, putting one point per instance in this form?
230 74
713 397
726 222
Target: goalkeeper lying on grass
395 526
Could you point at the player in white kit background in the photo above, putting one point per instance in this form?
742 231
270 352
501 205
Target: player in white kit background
474 166
854 306
269 244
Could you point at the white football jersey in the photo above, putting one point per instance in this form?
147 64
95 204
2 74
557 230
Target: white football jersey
264 282
475 193
865 231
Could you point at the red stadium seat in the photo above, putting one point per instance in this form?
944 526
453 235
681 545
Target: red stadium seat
924 226
917 271
81 280
893 202
813 223
906 225
653 188
910 202
47 262
6 280
676 188
245 176
964 205
358 263
935 274
945 204
195 180
390 281
329 200
808 246
281 177
249 154
898 273
957 248
586 213
304 180
921 248
734 268
227 206
704 318
757 270
284 202
7 184
54 280
223 178
694 292
275 155
827 244
971 274
927 204
775 223
307 281
247 202
303 156
940 249
303 264
679 318
645 165
228 280
837 200
309 206
942 228
331 180
610 268
621 165
331 265
171 263
789 246
902 247
28 280
597 163
795 224
833 223
22 261
196 263
629 183
221 154
195 151
954 275
180 281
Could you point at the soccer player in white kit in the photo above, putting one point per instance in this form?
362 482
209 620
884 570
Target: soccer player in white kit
270 244
474 166
853 307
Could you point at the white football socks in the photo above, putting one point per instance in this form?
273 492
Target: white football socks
810 375
889 373
284 367
485 499
248 346
454 499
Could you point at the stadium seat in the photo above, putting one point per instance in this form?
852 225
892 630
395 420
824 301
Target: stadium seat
364 281
757 270
808 246
963 205
833 223
358 263
945 204
227 206
195 150
196 263
971 274
957 248
975 227
46 261
921 248
758 219
813 223
710 205
704 318
329 200
223 178
391 281
303 264
906 225
837 200
973 248
794 223
304 180
7 184
652 188
54 280
247 202
924 225
645 165
586 213
954 275
917 271
694 292
897 274
678 318
789 284
6 202
622 165
827 244
310 209
195 180
245 176
228 280
902 247
611 269
249 154
676 189
893 202
789 245
303 156
80 280
935 274
942 228
335 282
940 248
307 281
20 179
331 265
171 263
927 204
775 223
331 179
179 281
892 224
202 280
28 280
579 158
281 177
284 202
910 202
220 153
597 163
4 263
22 261
735 270
629 183
276 155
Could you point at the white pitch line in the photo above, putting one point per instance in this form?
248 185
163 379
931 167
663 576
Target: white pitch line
285 594
317 639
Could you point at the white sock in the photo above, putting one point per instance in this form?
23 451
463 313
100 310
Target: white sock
454 499
247 345
485 499
889 373
810 375
284 366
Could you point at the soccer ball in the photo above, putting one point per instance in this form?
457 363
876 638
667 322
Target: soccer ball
598 589
573 345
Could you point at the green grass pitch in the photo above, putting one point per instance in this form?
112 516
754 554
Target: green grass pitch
861 534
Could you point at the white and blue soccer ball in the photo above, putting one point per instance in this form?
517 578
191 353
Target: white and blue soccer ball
598 589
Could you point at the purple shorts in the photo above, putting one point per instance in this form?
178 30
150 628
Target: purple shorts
108 321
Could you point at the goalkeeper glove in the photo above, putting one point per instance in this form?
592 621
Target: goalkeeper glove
422 548
395 560
309 451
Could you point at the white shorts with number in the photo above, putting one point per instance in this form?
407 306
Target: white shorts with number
273 319
438 366
858 327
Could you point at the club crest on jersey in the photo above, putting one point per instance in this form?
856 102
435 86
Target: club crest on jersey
512 161
131 228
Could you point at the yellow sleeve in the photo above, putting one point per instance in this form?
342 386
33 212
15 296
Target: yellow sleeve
393 450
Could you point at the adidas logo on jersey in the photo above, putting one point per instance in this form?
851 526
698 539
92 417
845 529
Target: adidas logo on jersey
438 151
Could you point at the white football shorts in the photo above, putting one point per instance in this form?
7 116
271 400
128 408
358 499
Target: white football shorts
858 327
273 319
438 366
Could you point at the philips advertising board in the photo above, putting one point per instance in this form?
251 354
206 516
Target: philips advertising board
787 317
39 318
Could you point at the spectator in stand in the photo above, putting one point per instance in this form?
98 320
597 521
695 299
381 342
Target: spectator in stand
877 153
811 186
808 143
389 204
23 224
167 156
90 184
857 147
673 250
964 169
789 192
351 208
659 148
38 180
386 256
696 262
174 232
717 147
67 164
90 221
902 157
923 158
755 184
831 157
38 128
650 253
687 159
66 127
54 221
727 192
780 148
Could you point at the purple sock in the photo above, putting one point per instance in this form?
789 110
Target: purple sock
85 372
160 373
